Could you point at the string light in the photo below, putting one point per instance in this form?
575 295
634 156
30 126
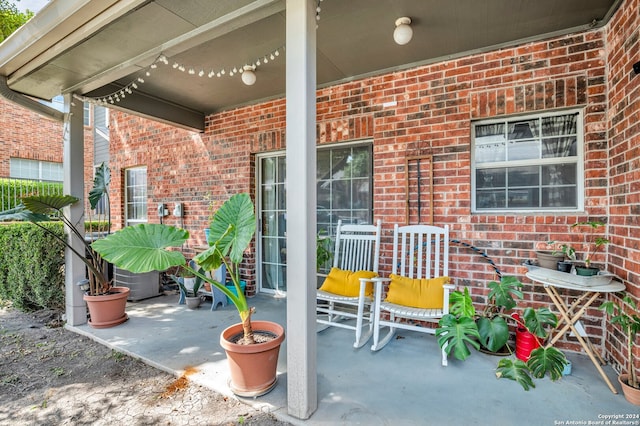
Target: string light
229 71
129 88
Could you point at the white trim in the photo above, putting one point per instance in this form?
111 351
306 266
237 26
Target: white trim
539 162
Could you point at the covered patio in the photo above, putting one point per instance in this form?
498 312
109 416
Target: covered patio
402 384
468 61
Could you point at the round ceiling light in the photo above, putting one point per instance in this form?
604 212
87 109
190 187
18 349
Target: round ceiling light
248 76
403 32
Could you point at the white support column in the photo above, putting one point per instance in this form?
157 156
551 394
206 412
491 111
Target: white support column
302 382
73 165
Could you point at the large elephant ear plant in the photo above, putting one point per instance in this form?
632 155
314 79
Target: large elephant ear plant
145 247
41 208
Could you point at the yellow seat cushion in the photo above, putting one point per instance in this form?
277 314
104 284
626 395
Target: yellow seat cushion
347 283
417 293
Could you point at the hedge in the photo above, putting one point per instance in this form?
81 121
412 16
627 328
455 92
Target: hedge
32 266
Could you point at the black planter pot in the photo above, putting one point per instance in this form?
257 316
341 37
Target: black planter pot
565 266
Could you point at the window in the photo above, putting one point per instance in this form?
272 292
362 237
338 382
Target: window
86 107
531 163
135 195
344 184
22 168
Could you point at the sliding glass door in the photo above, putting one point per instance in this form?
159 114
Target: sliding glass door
344 183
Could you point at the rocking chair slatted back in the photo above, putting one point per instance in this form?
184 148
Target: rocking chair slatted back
423 251
419 252
357 248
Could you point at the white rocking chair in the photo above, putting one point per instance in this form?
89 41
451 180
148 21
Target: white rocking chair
420 256
357 248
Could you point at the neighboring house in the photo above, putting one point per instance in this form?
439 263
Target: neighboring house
31 146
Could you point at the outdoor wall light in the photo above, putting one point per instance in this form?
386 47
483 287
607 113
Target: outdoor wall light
403 32
636 68
248 76
83 285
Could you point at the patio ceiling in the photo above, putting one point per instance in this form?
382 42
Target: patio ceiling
97 47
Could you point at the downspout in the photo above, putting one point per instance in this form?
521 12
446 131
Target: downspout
27 102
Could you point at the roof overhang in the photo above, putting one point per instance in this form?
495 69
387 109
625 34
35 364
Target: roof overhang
94 48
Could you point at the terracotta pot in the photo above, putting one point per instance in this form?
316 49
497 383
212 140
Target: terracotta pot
252 367
631 394
548 260
107 310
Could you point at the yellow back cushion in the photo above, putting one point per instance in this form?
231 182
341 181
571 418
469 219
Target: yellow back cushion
347 283
417 293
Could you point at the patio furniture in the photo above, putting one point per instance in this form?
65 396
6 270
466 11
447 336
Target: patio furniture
347 293
216 295
418 285
571 313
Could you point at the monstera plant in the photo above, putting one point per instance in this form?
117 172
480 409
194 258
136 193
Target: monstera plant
464 328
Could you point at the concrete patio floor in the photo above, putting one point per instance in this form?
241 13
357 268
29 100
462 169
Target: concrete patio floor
403 384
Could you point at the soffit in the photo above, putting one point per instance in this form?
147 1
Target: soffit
354 39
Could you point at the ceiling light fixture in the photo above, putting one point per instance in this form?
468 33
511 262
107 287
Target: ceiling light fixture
403 32
248 76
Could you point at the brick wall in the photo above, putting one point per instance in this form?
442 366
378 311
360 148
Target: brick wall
428 112
25 134
623 161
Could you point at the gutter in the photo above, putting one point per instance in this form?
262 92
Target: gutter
28 102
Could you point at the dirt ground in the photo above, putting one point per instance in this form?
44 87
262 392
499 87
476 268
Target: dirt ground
51 376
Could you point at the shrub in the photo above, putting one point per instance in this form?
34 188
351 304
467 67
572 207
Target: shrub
32 266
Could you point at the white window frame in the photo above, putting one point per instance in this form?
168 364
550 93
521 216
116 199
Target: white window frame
136 220
14 162
578 159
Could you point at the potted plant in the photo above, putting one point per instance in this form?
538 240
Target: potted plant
595 243
626 315
569 254
106 302
323 250
189 285
252 347
464 327
549 258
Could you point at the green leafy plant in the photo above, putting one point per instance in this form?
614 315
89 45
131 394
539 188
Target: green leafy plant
594 241
568 251
38 209
323 250
626 315
465 328
145 247
187 272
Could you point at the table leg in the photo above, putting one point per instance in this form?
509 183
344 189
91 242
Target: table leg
562 308
569 311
